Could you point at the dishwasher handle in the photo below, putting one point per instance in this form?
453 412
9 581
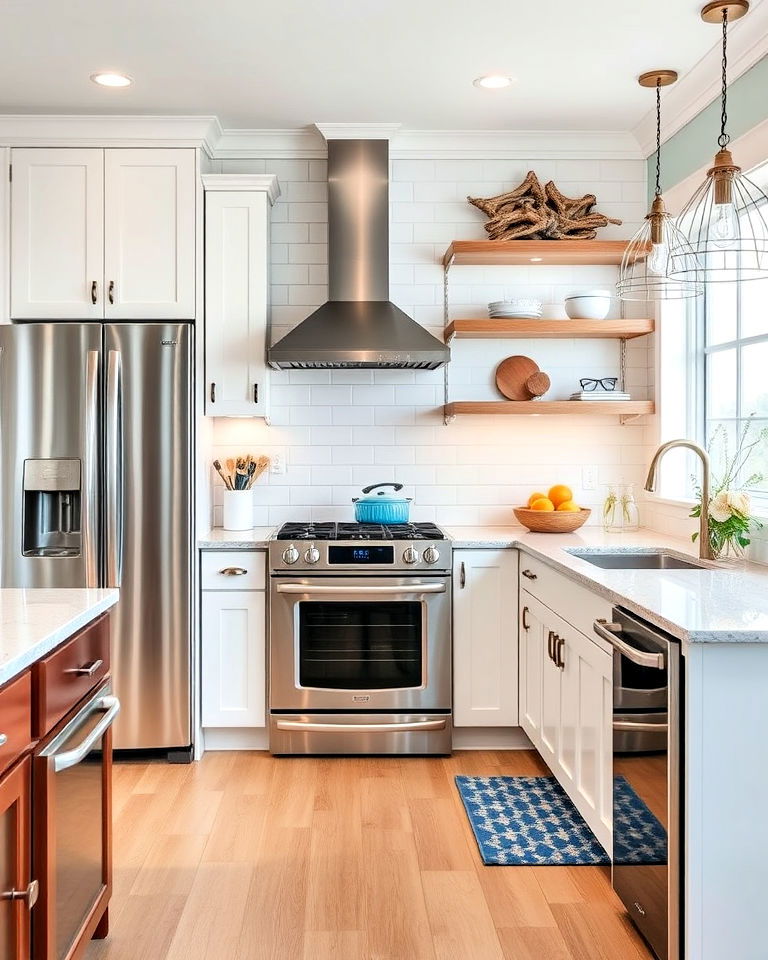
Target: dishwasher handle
643 658
70 758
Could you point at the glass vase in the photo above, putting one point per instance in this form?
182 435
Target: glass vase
620 512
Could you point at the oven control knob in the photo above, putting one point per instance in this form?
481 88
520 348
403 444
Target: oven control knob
410 555
312 555
290 554
431 555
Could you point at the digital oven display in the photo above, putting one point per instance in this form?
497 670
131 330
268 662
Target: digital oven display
361 554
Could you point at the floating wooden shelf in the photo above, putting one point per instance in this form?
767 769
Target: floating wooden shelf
524 252
623 408
532 329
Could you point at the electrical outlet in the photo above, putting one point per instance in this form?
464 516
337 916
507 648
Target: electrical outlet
277 464
589 478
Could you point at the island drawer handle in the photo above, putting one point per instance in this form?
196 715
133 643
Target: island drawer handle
526 623
87 669
29 895
529 575
233 571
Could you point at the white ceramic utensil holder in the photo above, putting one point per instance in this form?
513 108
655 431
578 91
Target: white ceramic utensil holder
238 510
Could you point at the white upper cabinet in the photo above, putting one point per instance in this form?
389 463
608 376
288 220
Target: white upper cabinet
101 234
57 235
485 638
149 234
237 215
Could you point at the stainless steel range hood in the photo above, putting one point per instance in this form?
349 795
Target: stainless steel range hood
358 326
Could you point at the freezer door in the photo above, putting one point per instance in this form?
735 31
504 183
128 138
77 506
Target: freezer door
148 523
49 454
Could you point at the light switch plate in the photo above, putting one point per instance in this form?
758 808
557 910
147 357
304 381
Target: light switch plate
589 478
277 464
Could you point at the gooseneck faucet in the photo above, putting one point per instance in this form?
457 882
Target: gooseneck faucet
705 547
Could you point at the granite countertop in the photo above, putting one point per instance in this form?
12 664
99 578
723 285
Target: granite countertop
34 621
219 539
708 605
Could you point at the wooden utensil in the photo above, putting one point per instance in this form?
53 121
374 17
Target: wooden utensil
519 378
218 468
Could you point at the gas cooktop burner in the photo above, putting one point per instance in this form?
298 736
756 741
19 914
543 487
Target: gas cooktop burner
360 531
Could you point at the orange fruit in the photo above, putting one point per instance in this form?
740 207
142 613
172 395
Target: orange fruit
559 494
536 496
569 506
542 504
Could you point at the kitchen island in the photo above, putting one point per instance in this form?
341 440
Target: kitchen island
56 711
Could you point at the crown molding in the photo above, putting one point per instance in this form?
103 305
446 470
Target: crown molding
308 143
33 130
234 182
700 86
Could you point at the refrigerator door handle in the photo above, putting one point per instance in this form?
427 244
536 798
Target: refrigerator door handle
114 478
91 470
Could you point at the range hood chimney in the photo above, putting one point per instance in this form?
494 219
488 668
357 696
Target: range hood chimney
359 326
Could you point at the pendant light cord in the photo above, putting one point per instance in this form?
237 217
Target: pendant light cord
658 136
724 139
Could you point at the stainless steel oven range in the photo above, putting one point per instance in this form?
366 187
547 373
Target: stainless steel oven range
360 639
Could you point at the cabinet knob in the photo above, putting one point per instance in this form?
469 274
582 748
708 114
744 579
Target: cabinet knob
94 287
29 895
233 571
111 291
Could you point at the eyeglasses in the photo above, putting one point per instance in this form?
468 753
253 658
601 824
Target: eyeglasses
607 383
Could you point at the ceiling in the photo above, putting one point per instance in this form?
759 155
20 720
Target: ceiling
289 64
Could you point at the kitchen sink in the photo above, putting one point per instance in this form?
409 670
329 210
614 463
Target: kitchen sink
637 560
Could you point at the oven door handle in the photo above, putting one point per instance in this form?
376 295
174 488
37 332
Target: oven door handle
377 589
633 726
70 758
317 727
610 631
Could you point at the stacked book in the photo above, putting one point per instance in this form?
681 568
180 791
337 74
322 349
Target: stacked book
600 395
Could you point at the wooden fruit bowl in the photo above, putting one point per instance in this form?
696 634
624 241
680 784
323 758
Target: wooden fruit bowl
552 521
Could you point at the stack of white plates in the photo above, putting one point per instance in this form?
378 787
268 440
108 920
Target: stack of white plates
600 395
521 308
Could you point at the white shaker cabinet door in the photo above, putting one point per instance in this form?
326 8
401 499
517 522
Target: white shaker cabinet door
233 658
236 302
57 234
485 639
533 643
149 234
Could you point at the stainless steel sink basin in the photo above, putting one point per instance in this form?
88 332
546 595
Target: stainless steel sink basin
629 560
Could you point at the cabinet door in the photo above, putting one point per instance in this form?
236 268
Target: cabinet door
57 235
149 234
236 302
551 712
485 639
533 645
17 895
233 658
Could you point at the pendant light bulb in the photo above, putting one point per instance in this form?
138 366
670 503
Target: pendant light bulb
724 228
657 259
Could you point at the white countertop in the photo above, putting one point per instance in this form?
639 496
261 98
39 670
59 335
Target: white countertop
713 605
33 622
716 605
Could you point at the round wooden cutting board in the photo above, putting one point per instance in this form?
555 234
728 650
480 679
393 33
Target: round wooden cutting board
519 378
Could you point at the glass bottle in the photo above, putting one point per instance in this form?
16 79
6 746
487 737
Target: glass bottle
630 516
612 510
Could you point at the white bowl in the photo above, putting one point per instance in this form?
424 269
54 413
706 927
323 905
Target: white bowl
594 306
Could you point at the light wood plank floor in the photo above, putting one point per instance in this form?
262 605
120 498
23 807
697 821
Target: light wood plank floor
248 857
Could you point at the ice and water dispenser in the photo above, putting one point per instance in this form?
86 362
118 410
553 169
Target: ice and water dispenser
52 508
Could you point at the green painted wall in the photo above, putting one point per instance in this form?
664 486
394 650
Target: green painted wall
696 143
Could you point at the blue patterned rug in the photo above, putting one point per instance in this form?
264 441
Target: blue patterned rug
532 821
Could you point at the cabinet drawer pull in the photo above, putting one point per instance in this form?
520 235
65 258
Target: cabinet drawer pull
559 653
233 571
550 644
529 575
93 291
111 291
255 393
462 575
87 669
3 739
29 895
213 393
526 624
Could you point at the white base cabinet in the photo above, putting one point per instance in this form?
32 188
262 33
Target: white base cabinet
233 634
566 704
485 685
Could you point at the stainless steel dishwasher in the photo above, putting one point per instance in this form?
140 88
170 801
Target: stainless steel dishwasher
647 789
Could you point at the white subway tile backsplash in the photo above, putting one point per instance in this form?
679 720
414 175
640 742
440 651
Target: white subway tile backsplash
341 430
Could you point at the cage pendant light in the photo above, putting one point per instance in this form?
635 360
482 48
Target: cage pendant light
646 264
726 220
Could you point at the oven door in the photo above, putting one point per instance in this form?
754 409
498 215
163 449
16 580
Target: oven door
360 643
72 785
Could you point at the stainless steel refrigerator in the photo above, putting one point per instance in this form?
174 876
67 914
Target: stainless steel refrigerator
95 490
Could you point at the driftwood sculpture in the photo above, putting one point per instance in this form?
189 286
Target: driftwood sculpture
533 212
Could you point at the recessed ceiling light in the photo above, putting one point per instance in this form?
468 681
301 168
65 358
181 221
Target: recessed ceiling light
536 259
111 79
493 82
